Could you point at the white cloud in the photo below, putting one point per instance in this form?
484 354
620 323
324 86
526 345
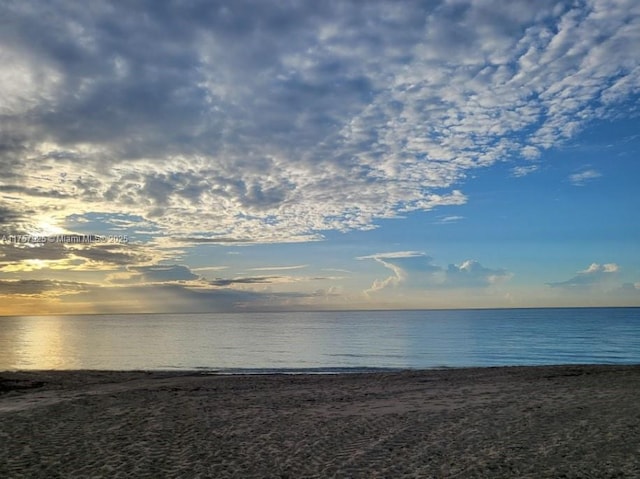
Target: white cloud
471 273
394 255
520 171
450 219
604 268
210 268
416 270
279 268
580 179
386 260
530 152
595 276
262 123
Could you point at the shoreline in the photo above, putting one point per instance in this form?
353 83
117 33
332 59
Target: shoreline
312 371
506 421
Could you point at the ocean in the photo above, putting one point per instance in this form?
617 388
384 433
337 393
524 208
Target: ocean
339 341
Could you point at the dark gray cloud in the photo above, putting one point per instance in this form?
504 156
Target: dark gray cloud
247 280
7 215
275 121
159 298
171 273
37 287
164 273
180 298
16 249
13 219
32 191
112 254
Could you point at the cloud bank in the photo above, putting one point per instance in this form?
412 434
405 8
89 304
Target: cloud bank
253 122
415 269
595 276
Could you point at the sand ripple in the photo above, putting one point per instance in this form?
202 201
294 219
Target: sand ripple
571 422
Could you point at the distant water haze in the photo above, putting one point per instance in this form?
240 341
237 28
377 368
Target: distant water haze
322 341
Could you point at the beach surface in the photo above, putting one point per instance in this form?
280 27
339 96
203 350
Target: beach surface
525 422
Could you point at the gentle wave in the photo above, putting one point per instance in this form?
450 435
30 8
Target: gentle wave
322 341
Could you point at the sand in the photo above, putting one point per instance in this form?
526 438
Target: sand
533 422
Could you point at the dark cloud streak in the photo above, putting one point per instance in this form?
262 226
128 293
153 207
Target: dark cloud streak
248 280
36 287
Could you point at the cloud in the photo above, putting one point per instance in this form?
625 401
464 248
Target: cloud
395 262
596 275
112 254
164 273
179 298
416 269
156 288
279 268
37 287
338 270
152 288
450 219
169 273
209 268
27 256
580 179
247 122
520 171
629 293
530 152
214 240
471 274
393 255
246 280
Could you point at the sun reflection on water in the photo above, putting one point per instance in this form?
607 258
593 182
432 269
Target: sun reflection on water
41 342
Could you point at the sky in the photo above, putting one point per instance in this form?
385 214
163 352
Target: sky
196 156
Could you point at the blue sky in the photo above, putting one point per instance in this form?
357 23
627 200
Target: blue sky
306 155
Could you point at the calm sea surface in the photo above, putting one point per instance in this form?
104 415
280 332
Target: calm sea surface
322 341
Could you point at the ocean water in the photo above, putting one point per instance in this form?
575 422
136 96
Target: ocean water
322 341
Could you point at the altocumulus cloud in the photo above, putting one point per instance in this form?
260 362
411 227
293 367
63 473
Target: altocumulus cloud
579 179
261 121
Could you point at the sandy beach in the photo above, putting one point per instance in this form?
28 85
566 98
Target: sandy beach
535 422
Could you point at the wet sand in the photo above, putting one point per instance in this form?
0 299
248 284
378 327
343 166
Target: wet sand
533 422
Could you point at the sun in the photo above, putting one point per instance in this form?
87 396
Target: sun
46 228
